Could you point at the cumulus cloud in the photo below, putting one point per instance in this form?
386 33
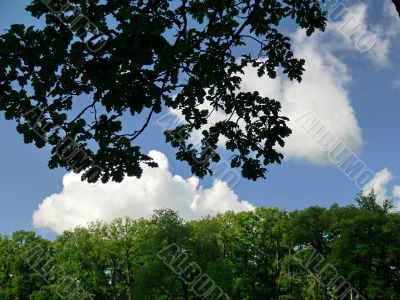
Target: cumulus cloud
357 31
80 202
379 184
323 92
387 34
391 18
396 191
351 26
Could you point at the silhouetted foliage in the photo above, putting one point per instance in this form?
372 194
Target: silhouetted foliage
95 92
397 4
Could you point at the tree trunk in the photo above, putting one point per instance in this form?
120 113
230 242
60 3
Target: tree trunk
113 284
325 293
128 274
185 290
290 271
315 287
278 269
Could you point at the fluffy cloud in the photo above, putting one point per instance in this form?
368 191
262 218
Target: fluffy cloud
324 88
379 184
349 24
80 202
388 30
396 191
353 26
322 92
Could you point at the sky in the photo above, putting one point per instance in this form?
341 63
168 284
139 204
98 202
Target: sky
351 86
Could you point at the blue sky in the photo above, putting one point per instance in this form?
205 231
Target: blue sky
356 94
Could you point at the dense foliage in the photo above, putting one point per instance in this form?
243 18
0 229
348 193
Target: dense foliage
264 254
91 79
397 4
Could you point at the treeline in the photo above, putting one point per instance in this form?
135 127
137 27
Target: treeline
350 252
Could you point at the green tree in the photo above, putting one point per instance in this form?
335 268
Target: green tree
310 228
392 254
253 247
249 255
81 262
137 58
22 257
368 242
156 280
208 248
124 239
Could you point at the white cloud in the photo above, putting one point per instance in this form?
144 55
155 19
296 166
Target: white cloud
386 32
80 202
354 27
379 185
391 17
391 27
322 92
396 191
396 82
324 88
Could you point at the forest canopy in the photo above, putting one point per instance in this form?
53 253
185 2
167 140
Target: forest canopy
268 253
